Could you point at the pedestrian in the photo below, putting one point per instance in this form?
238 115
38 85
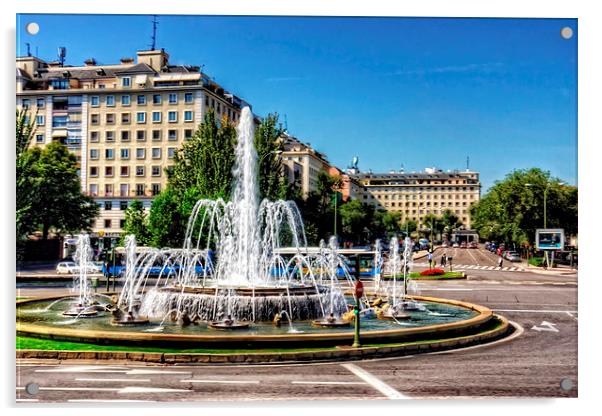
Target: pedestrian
500 262
429 256
443 259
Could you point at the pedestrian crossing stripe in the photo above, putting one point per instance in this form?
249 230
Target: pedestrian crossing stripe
477 267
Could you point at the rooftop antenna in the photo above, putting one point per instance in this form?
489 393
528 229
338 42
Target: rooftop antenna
62 55
28 48
285 124
154 37
467 163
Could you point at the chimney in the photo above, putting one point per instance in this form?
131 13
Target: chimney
127 60
90 62
156 59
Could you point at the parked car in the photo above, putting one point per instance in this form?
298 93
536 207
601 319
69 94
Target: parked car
456 245
473 244
65 267
445 244
512 256
463 244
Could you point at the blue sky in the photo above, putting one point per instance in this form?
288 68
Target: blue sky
414 91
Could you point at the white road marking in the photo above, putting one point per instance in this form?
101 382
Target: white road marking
136 389
473 257
109 401
572 316
75 388
379 385
125 380
221 381
27 400
148 372
84 369
343 383
545 326
449 289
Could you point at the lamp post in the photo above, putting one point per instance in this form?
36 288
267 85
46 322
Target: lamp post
545 210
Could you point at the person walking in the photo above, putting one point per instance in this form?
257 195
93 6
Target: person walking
443 259
500 262
429 257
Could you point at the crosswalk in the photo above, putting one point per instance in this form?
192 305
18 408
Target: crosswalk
477 267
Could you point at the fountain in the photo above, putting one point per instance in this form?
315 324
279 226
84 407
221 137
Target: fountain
245 267
85 306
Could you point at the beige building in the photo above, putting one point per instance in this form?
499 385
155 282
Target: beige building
417 194
302 164
124 121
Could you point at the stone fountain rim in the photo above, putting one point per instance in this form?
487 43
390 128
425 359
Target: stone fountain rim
484 315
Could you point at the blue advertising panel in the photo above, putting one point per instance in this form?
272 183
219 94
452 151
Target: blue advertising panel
549 239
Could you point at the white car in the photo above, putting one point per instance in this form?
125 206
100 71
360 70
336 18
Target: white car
66 267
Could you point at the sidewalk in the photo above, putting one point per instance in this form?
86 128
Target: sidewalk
558 271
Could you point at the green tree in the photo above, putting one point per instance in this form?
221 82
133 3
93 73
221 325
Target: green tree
353 220
205 161
26 183
269 146
450 222
409 226
59 203
166 224
512 209
136 223
386 223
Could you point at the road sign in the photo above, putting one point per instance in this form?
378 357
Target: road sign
549 239
359 289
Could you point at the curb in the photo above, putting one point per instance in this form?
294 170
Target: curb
341 354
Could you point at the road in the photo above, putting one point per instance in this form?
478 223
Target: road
532 364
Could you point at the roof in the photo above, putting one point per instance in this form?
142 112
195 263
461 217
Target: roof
409 175
136 69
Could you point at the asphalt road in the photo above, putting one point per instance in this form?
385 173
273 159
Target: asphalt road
542 353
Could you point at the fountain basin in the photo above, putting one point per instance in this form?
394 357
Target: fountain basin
225 326
472 317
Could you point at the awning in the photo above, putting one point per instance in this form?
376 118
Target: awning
140 79
59 133
178 77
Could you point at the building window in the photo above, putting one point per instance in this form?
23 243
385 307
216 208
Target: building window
94 171
172 135
156 99
94 136
110 100
107 223
109 136
109 189
125 100
187 115
110 118
139 170
108 205
141 100
57 121
121 223
173 98
156 116
123 205
40 103
94 119
141 118
172 116
125 153
93 189
95 101
126 82
156 152
156 188
140 153
25 103
93 154
188 134
39 138
156 171
188 98
60 84
171 151
139 189
40 120
156 135
125 136
109 171
206 101
124 171
125 118
140 135
109 154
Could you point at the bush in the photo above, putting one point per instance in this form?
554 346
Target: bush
536 261
432 272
